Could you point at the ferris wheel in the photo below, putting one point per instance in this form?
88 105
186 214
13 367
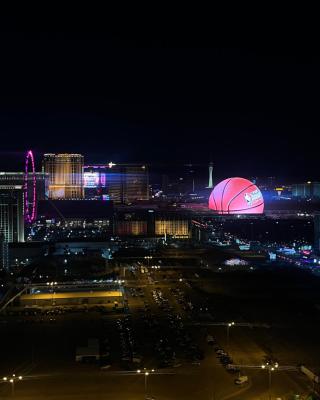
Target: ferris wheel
30 190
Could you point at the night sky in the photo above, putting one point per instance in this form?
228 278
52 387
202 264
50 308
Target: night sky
250 106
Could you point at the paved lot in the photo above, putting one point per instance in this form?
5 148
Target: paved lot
165 307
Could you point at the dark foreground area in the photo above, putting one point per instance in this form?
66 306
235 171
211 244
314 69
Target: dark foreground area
175 322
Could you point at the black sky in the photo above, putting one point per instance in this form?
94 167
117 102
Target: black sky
249 103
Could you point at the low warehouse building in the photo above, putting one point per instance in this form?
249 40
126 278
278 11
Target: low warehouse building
72 298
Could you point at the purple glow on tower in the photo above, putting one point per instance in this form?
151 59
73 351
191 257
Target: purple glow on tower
103 180
29 207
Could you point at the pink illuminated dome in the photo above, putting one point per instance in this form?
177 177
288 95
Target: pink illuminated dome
236 196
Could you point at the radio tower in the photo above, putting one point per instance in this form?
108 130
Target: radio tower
210 183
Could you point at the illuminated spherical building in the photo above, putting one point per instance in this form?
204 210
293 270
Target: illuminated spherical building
236 196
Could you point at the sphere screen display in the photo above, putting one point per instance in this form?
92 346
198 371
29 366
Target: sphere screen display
236 196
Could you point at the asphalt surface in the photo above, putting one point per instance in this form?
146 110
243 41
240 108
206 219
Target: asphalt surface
170 313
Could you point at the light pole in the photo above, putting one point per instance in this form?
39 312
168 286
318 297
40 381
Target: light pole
52 284
148 258
12 379
229 325
146 373
270 368
121 292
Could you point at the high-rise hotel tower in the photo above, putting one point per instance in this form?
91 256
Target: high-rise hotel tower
11 213
65 175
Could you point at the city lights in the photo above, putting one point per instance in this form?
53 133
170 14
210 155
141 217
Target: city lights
12 380
161 240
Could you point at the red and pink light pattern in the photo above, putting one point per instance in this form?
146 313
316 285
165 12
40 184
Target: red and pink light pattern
236 196
29 204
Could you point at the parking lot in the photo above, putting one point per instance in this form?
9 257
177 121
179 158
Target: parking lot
171 325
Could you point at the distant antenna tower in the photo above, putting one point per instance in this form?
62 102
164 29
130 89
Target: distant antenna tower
210 183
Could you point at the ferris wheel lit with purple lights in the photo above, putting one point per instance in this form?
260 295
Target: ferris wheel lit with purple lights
30 190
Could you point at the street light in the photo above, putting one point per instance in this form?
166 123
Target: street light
52 284
229 325
121 293
148 258
146 373
12 379
270 368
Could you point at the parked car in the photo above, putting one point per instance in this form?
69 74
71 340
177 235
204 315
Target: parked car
241 380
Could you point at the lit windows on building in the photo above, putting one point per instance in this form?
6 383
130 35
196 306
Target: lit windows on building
11 213
65 175
176 227
150 223
18 178
4 253
121 183
306 190
136 184
131 228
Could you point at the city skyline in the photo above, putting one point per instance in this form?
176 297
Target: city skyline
159 207
14 162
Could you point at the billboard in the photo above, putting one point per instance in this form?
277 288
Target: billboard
94 179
